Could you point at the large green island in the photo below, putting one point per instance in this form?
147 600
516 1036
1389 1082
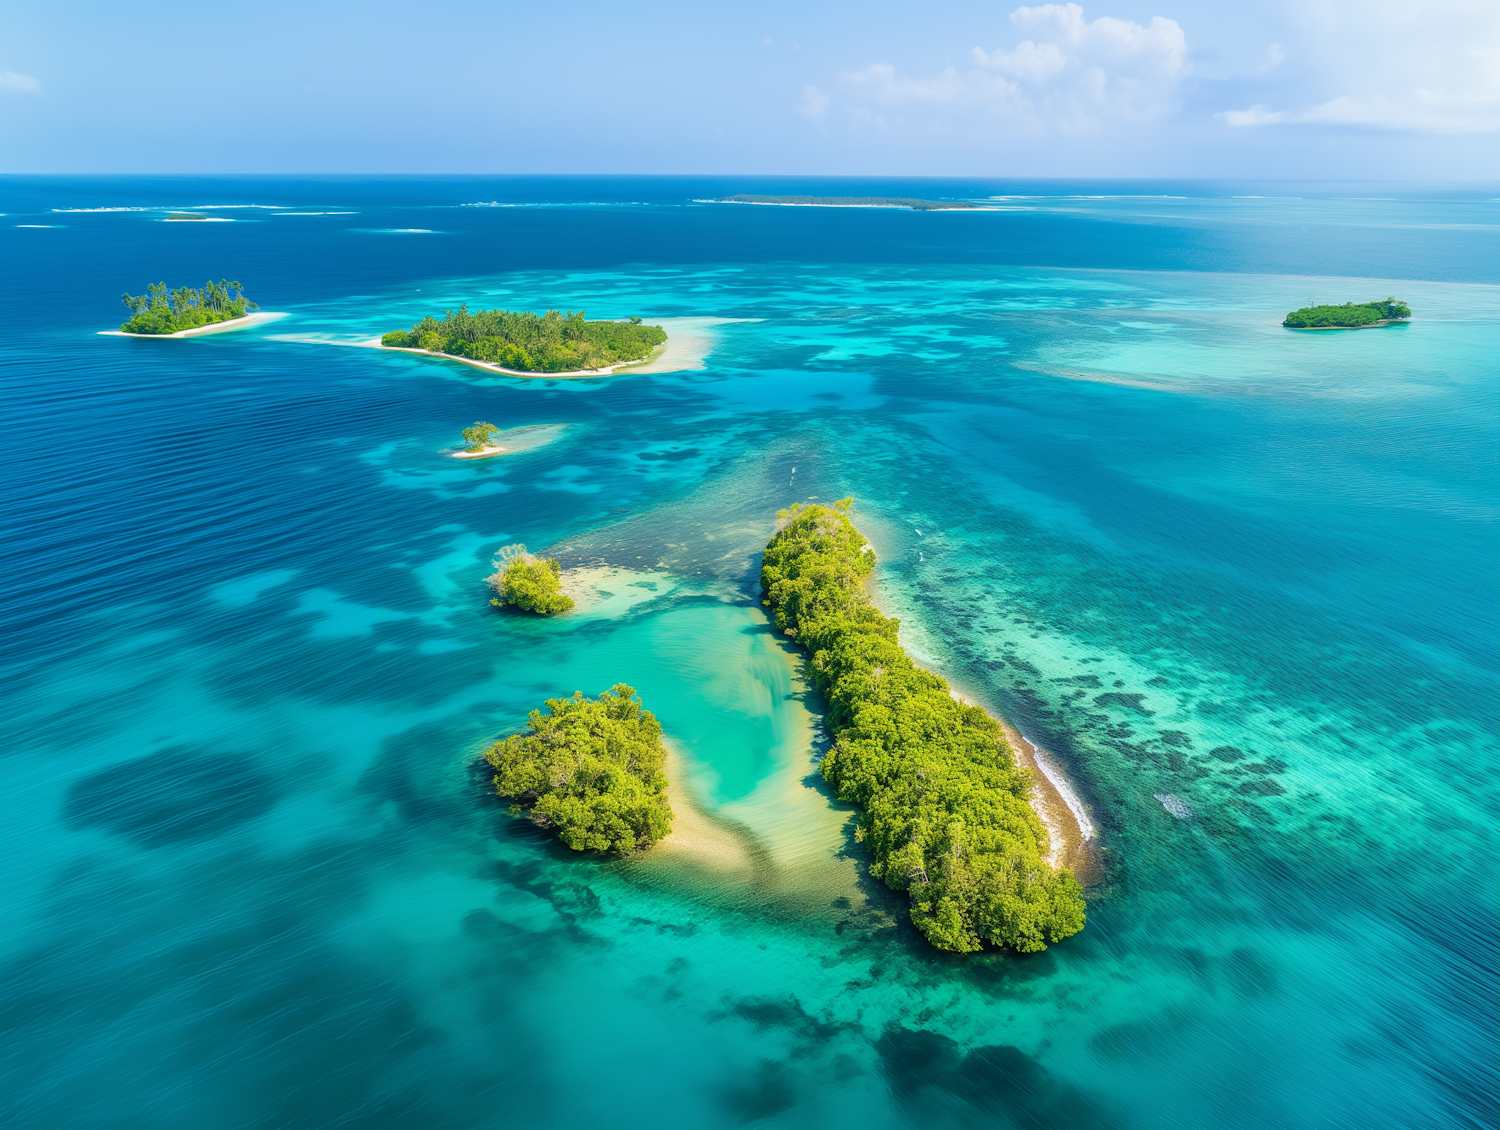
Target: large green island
946 813
523 342
1349 316
911 203
163 311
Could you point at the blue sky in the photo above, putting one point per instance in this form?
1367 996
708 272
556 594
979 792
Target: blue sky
1173 88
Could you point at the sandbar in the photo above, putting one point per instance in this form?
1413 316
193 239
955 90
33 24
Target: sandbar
259 318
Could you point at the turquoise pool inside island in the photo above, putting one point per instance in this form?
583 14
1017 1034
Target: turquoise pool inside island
1237 581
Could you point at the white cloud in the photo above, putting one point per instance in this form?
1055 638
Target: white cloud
814 103
1255 116
10 80
1068 74
1386 65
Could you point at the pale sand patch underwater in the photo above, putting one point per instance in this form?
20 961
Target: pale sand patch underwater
259 318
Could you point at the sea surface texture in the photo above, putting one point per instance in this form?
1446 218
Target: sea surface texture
1237 580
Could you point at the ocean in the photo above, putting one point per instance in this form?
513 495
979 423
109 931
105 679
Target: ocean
1238 582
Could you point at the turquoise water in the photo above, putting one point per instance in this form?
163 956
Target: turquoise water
255 879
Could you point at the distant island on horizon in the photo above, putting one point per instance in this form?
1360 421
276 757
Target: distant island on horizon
911 203
1349 316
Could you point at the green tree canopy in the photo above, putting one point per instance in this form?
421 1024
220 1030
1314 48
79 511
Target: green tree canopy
946 815
553 342
528 582
1348 315
163 311
478 437
590 768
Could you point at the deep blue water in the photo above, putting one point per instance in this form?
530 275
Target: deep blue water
255 881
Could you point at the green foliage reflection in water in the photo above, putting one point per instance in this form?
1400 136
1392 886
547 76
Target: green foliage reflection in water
516 339
946 813
590 768
1348 315
163 311
528 582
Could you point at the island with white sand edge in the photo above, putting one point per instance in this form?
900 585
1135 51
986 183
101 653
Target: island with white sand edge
690 340
190 312
518 341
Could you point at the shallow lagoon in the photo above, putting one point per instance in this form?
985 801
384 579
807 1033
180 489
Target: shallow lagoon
1191 554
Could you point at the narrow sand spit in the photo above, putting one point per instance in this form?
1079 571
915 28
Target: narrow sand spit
259 318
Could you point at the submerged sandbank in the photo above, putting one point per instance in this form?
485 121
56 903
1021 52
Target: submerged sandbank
259 318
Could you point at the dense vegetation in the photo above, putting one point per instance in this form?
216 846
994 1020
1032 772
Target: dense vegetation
163 311
552 343
592 769
528 582
479 436
852 202
1364 314
946 815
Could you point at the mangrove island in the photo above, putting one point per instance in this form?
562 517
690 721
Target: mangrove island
528 582
1349 316
853 202
946 813
524 342
593 769
163 311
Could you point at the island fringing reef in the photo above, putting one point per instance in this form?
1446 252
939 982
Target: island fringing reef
945 809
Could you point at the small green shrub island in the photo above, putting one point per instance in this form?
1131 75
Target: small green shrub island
163 311
479 436
528 582
553 342
946 813
1347 316
590 768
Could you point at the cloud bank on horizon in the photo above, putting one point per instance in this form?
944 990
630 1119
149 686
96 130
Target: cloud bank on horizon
1280 88
1433 68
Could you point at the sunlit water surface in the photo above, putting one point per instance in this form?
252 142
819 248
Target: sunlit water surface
1238 580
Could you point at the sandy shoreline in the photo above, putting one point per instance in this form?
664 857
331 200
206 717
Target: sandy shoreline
488 367
259 318
1073 840
689 341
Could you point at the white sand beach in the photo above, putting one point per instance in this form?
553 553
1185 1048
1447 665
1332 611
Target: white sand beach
259 318
689 341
